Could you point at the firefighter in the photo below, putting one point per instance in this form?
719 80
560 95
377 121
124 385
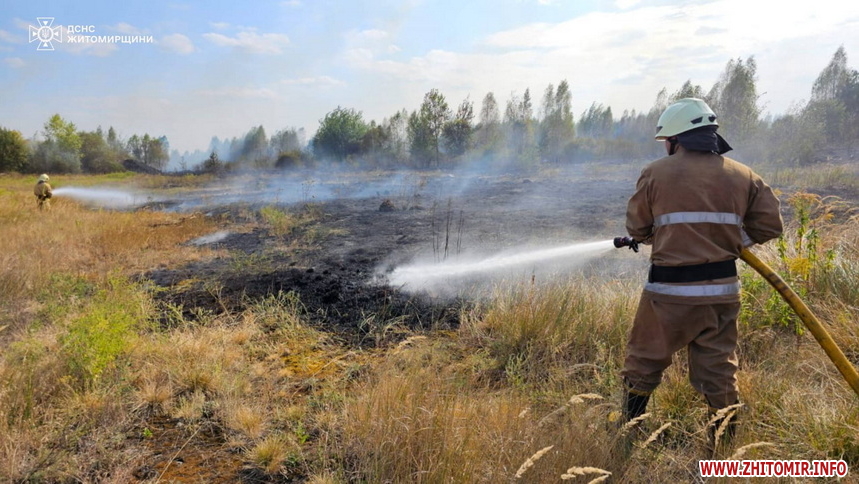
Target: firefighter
43 192
698 210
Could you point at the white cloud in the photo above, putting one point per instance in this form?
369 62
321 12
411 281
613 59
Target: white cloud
220 25
124 28
371 35
177 43
96 49
240 92
723 24
252 42
23 24
319 81
626 4
14 62
623 58
10 37
362 46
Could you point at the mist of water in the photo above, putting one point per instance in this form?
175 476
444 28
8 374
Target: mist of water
428 276
211 238
104 197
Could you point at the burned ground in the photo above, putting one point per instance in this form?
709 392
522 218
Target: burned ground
363 225
339 275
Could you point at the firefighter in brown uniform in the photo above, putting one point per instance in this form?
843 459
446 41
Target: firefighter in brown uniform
699 210
43 192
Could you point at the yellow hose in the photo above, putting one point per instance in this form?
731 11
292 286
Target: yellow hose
820 334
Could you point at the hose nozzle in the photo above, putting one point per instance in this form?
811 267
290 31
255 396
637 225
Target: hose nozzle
626 242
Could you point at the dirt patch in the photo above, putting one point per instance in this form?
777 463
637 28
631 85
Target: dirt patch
177 452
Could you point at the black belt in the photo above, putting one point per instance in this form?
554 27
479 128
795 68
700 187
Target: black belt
695 273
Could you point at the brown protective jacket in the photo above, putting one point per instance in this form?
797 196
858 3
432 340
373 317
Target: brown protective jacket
695 208
690 185
42 190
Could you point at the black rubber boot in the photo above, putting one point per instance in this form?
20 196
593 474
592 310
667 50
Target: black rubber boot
725 426
634 405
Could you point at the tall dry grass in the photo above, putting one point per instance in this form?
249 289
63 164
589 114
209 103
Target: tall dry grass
562 331
70 241
422 418
818 177
69 314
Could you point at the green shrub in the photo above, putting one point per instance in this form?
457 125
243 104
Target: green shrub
104 331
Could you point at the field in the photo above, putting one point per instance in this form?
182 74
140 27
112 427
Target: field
245 330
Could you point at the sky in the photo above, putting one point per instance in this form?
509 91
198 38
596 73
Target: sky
193 70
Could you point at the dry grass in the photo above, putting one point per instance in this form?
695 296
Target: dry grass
542 334
574 472
823 176
69 241
271 453
421 418
739 453
524 387
531 460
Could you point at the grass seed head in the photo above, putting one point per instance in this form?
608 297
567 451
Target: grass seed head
531 460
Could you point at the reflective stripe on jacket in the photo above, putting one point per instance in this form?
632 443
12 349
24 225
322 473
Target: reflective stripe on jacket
698 290
697 208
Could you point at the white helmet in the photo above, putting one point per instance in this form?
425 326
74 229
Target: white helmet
684 115
43 177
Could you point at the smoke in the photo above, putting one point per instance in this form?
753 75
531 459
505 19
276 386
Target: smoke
265 188
447 278
403 188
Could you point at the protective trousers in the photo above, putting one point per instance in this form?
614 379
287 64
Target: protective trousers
662 327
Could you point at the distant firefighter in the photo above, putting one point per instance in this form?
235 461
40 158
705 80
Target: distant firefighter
43 192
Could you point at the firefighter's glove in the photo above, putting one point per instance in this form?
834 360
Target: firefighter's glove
633 245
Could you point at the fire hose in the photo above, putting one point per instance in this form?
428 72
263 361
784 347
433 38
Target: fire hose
799 307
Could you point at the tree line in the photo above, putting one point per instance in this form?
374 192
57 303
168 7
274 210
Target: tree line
65 149
522 134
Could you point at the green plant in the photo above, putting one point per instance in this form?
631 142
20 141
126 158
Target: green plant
108 326
801 262
282 223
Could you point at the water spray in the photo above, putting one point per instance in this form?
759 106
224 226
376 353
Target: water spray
103 197
799 307
418 276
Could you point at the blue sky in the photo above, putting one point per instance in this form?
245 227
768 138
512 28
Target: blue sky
219 68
